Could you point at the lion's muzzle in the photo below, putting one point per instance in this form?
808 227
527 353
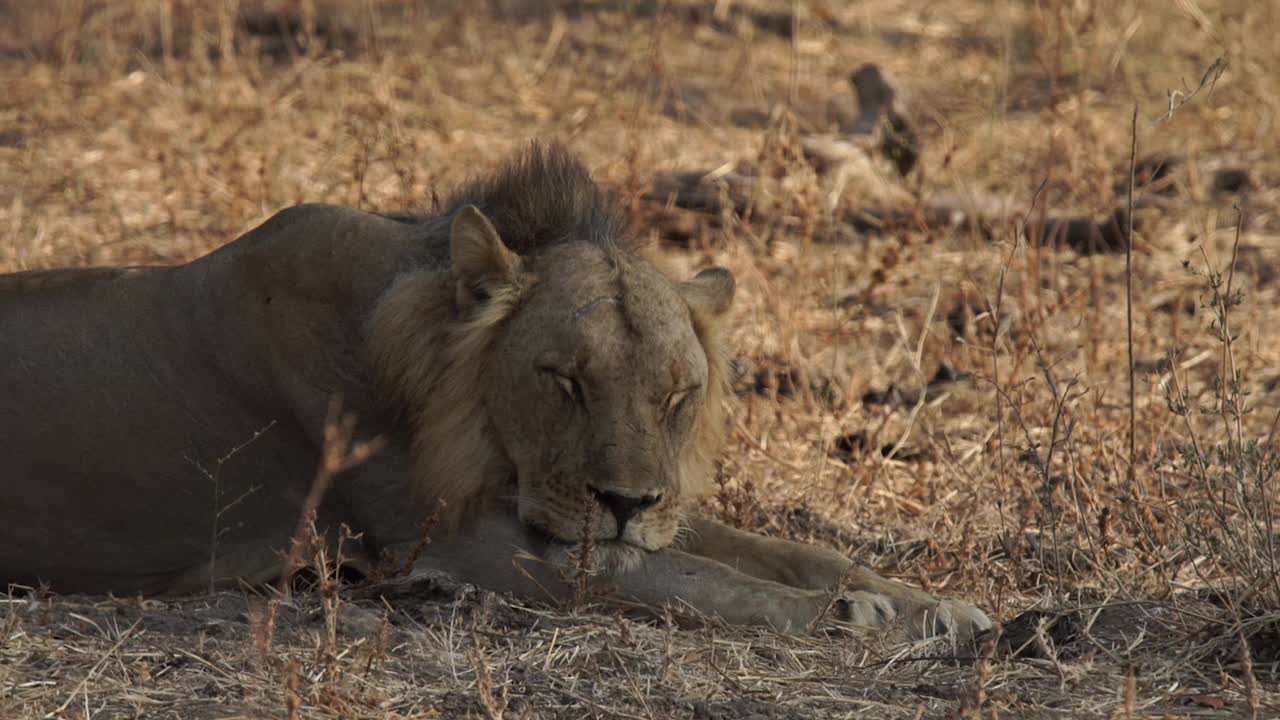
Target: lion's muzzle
623 507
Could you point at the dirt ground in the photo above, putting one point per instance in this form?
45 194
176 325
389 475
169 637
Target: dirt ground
938 368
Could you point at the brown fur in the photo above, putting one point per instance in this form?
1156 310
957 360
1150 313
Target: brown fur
435 375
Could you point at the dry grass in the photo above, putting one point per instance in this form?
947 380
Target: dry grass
153 132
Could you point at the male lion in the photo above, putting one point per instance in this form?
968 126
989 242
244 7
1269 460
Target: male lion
528 368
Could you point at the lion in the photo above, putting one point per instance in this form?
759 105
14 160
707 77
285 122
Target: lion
544 391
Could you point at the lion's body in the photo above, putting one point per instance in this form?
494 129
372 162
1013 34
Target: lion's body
538 384
124 390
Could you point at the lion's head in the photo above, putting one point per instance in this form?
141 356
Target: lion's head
552 365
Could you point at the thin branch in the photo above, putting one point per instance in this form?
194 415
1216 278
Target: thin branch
1178 98
1128 291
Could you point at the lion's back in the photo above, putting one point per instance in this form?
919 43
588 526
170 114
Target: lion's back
23 286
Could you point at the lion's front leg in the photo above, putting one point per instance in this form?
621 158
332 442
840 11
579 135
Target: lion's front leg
497 552
818 568
712 588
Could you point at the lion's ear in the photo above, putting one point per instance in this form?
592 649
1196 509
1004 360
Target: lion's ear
481 263
710 293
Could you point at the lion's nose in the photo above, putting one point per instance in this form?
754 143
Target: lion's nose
622 507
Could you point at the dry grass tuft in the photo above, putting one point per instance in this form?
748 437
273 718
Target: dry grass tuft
947 399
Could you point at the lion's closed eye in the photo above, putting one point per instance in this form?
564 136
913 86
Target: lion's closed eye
570 386
678 401
675 399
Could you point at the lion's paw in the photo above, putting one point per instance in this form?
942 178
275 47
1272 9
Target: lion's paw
864 608
954 618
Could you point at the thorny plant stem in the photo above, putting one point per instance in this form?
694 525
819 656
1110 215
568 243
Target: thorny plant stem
1230 400
996 319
